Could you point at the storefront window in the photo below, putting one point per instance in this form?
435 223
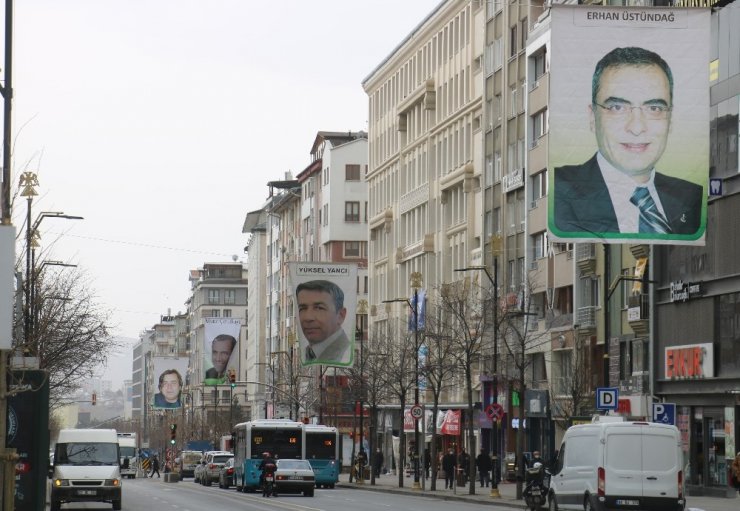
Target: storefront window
710 467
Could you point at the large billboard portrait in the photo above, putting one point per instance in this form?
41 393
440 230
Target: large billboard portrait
220 349
325 301
628 125
169 378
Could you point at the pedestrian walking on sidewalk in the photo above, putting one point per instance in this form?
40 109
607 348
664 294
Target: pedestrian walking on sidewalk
449 463
483 464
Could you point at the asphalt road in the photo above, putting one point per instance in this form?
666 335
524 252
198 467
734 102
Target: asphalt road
154 494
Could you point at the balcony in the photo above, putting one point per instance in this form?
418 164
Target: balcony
638 314
586 319
586 258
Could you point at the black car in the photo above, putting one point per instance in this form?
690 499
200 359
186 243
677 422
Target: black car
294 476
226 474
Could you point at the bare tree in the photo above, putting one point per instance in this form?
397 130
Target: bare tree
462 313
368 377
71 333
571 386
519 345
439 370
397 345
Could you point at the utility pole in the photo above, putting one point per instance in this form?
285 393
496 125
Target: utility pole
8 457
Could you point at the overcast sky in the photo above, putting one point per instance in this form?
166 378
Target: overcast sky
161 121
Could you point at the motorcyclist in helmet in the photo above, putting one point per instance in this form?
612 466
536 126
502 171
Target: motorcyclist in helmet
266 466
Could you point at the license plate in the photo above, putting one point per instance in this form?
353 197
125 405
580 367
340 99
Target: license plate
86 492
268 478
536 492
295 478
624 502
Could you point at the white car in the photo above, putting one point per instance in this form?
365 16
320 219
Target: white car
211 466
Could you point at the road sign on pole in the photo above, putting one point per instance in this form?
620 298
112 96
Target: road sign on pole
664 413
495 412
417 412
607 398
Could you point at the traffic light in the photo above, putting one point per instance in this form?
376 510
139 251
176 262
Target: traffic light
173 434
232 379
94 398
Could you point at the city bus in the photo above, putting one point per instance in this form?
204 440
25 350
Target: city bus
283 438
322 451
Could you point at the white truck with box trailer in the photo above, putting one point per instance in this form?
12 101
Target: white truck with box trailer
129 454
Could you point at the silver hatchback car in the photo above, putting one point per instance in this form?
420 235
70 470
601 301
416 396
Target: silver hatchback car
212 463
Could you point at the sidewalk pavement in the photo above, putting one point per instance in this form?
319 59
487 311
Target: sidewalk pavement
388 483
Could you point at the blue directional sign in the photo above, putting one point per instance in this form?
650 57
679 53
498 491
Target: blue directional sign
607 398
664 413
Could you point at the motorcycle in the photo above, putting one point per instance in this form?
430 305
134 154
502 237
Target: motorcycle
268 487
535 491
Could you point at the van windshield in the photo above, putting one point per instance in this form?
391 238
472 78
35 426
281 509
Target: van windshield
86 453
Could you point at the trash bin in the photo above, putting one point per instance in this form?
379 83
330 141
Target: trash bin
461 477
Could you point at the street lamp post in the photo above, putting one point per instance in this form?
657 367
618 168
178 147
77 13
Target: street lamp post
32 237
416 282
494 440
361 310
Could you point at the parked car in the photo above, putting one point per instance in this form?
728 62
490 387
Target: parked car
189 460
294 476
212 463
226 474
199 469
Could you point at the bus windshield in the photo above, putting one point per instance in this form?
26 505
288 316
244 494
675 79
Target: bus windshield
286 443
321 445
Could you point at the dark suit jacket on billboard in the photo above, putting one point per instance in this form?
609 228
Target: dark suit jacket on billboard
583 204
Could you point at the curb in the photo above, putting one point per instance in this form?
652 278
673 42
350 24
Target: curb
480 499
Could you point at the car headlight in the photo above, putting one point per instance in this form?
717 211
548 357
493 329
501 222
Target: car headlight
61 482
112 482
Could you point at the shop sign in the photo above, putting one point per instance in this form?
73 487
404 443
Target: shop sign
689 362
684 291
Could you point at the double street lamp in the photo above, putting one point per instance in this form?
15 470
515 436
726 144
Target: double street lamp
32 237
416 282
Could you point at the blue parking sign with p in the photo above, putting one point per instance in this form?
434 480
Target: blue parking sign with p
664 413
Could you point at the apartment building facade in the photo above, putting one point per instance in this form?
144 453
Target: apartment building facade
426 170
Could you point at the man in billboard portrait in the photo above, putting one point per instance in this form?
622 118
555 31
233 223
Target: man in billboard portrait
221 348
321 313
170 386
619 190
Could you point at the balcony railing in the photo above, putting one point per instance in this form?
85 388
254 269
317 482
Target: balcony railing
586 317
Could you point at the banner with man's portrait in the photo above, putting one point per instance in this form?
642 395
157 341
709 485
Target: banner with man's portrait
220 349
170 374
628 116
325 303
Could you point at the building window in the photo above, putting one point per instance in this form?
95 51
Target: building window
540 64
512 41
352 211
352 172
539 125
229 296
227 313
213 296
351 249
539 186
539 245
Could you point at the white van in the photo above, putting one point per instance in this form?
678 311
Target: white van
618 465
86 468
